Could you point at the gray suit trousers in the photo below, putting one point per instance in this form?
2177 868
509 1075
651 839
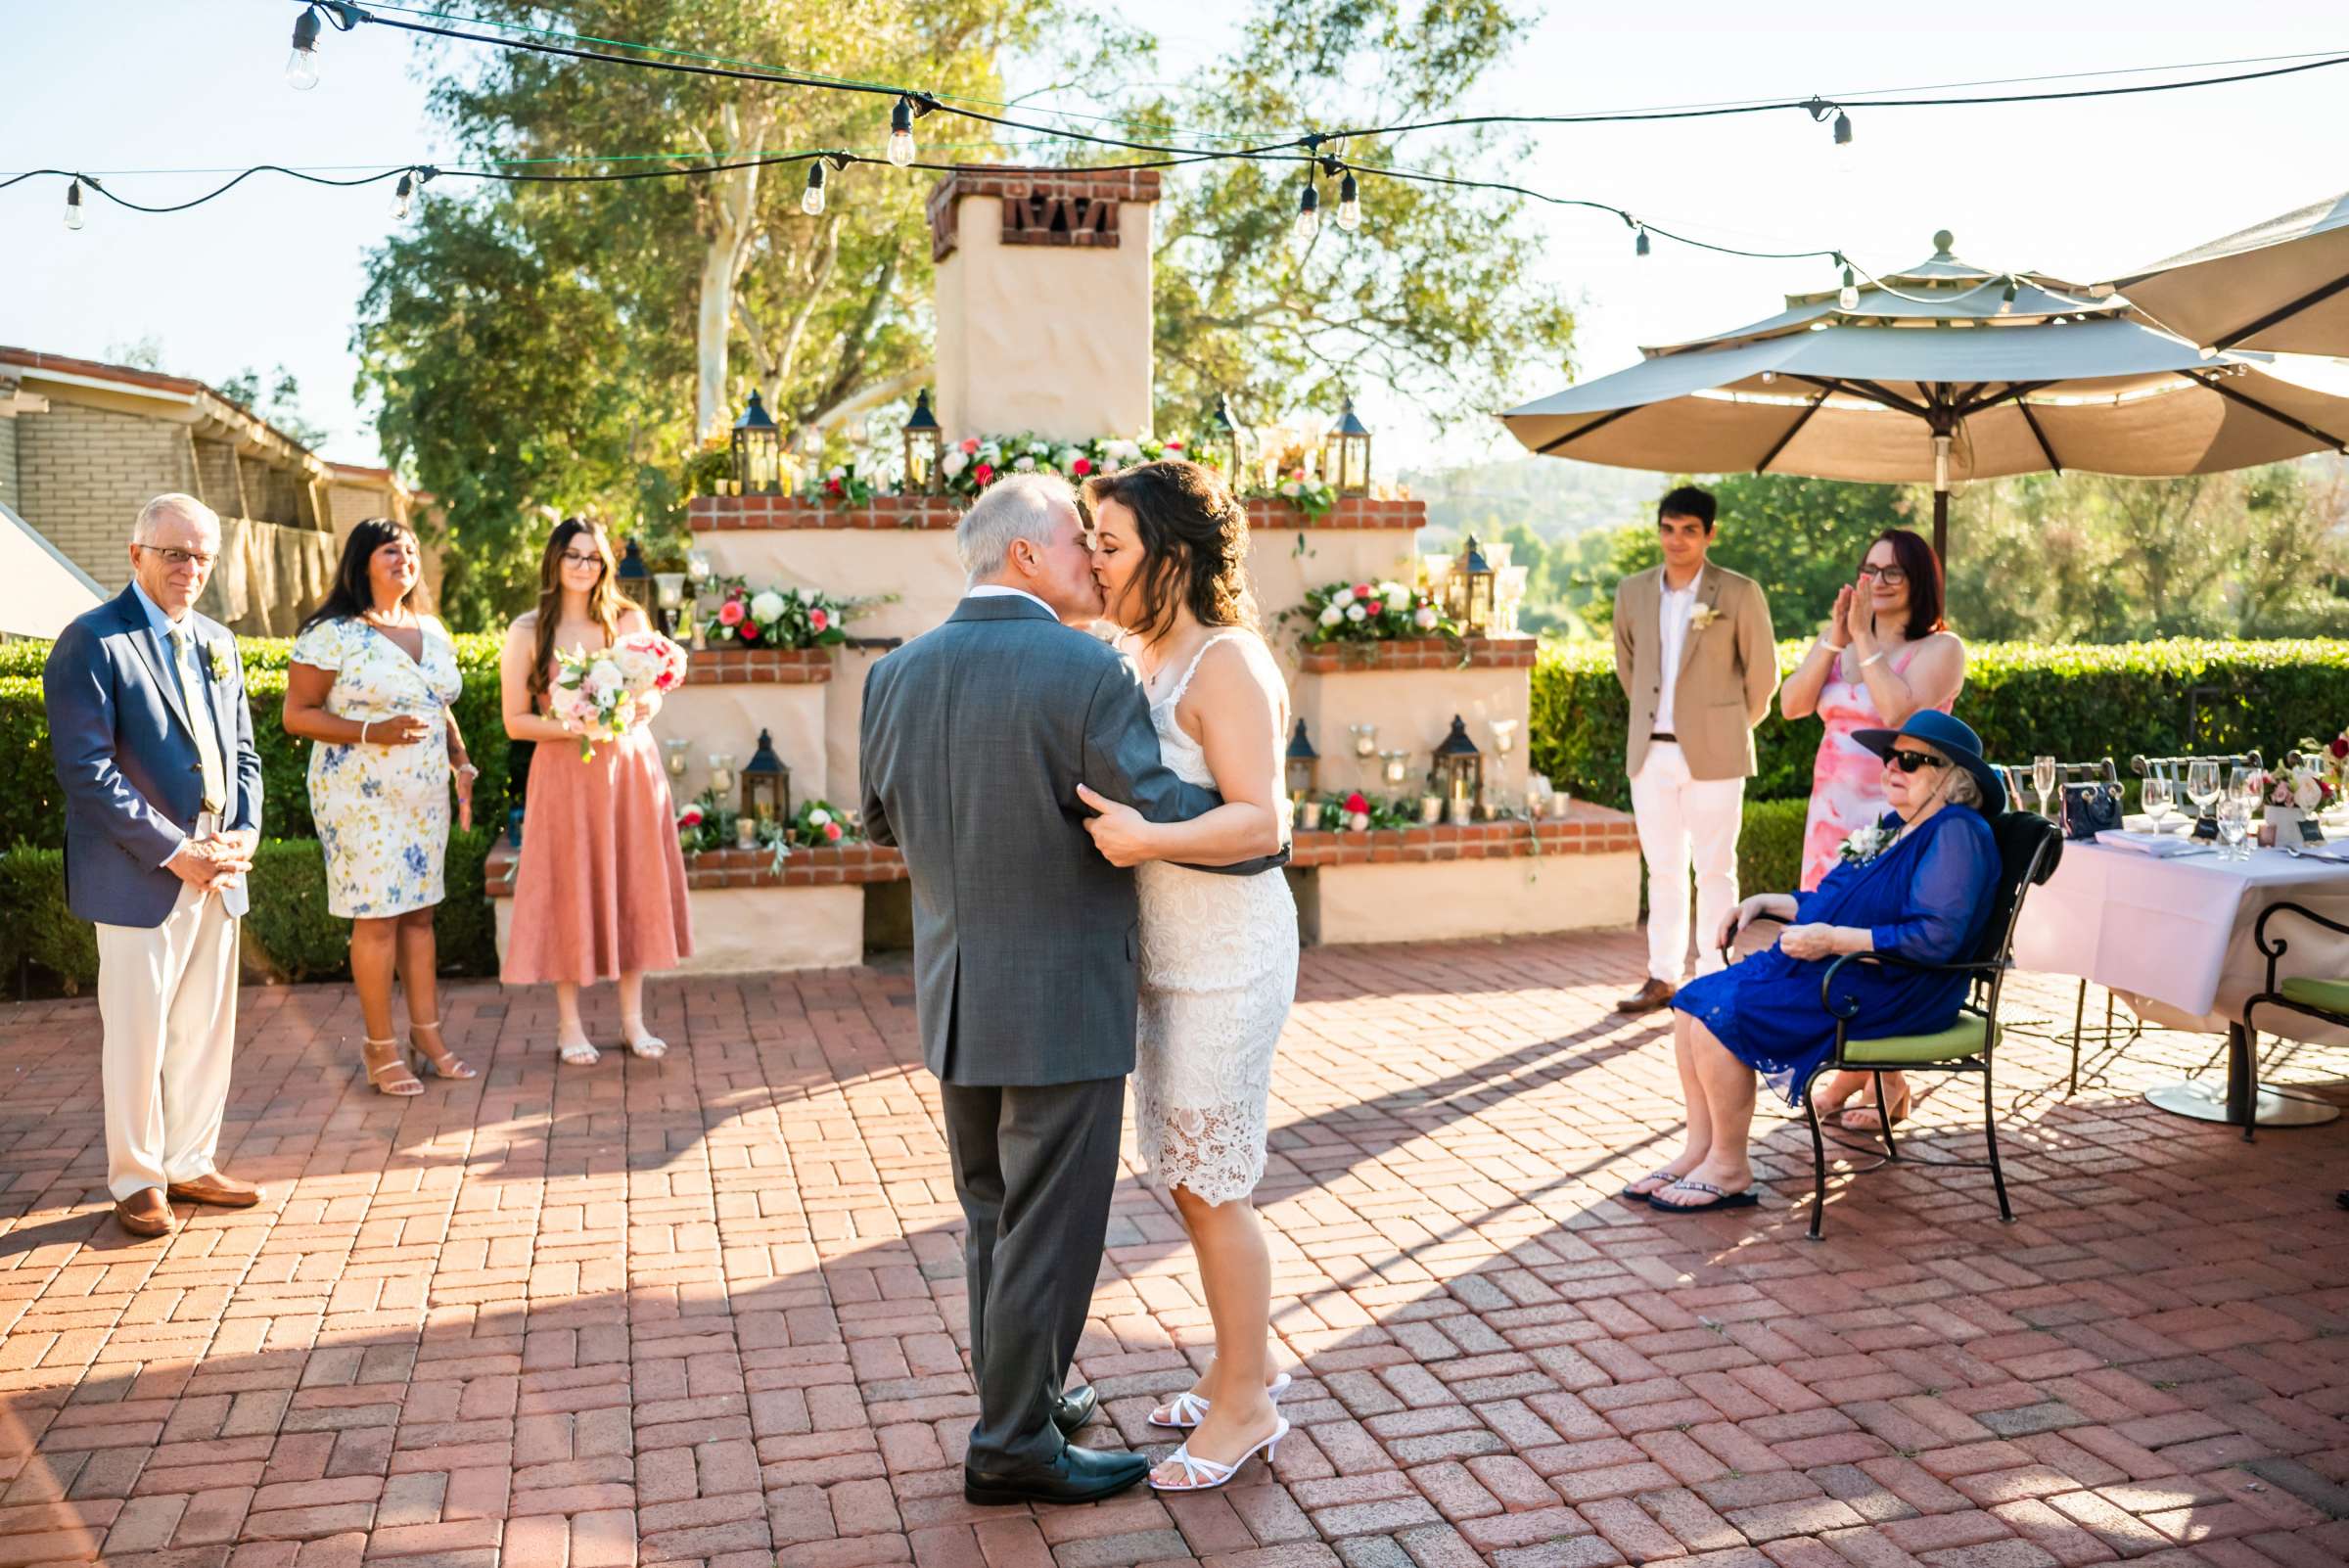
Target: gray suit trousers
1033 1166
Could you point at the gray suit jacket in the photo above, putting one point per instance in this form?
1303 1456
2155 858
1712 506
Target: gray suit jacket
1024 940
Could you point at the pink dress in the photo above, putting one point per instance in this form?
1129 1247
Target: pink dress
1847 782
601 887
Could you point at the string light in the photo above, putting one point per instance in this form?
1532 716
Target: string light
301 65
1639 246
1350 202
2006 299
1848 297
1309 211
1843 133
73 205
812 200
900 133
400 194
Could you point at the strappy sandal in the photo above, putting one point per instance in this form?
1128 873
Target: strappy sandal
389 1076
1719 1200
642 1042
1205 1475
1187 1409
578 1053
448 1064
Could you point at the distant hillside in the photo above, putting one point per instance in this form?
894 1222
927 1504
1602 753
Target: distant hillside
1555 498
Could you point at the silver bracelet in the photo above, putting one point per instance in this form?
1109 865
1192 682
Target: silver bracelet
363 723
1871 659
1834 647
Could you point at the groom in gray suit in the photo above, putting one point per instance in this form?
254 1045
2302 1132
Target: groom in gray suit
1024 940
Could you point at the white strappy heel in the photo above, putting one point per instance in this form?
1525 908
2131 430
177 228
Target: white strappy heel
1187 1409
1205 1475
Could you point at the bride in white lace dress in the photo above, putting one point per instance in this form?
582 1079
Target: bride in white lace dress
1218 954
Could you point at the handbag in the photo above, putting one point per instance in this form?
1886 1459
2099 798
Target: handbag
2090 809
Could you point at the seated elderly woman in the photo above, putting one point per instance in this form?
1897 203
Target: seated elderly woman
1918 886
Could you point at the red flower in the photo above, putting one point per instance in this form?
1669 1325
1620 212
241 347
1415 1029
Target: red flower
691 816
1373 608
1173 447
819 619
1082 467
2340 745
1356 802
748 631
1361 590
731 612
981 472
832 486
832 832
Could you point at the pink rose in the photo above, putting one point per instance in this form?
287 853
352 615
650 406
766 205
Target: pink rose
1361 590
1082 467
1373 608
748 631
1356 801
819 619
730 613
832 832
970 443
691 816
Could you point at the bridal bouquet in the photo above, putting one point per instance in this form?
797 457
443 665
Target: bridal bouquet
601 694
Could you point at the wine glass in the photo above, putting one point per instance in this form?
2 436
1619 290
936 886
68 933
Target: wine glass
2201 784
2043 780
2235 824
2159 801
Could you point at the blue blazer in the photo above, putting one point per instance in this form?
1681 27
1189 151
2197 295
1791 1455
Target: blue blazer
126 760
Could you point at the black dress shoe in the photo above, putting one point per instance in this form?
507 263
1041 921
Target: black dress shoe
1075 1407
1078 1475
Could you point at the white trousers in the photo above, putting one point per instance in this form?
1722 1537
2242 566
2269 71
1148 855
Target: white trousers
1683 819
167 999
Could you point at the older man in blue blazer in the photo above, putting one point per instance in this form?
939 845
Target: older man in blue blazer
152 744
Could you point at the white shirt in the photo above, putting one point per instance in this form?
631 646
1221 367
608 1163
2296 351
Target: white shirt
1673 611
998 591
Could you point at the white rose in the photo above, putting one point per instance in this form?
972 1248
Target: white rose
1344 597
1356 613
2306 795
767 607
1390 592
818 817
1066 462
1026 465
1038 450
990 453
1424 619
837 473
1332 615
954 463
604 675
1292 489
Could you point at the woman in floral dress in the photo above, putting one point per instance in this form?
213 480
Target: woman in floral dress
1886 654
370 684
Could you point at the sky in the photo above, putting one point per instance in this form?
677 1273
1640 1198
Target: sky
270 273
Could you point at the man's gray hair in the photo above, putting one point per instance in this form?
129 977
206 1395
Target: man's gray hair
1017 506
143 529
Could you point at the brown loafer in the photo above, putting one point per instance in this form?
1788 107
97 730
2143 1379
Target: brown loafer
217 1188
145 1213
1647 999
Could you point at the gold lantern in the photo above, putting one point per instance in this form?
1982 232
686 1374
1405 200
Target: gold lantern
1468 588
757 452
1459 769
765 784
1345 454
1304 763
923 442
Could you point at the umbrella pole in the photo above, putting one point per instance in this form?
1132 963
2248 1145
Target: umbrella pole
1941 502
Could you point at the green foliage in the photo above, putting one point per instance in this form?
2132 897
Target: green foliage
1770 846
36 925
2076 701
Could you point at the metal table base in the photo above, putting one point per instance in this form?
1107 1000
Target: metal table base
2243 1102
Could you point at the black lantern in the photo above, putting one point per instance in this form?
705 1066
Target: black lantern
636 577
1459 769
765 784
1224 439
757 452
1346 455
1303 763
1469 590
923 439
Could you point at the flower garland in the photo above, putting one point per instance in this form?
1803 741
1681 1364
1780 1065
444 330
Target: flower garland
819 824
1370 612
972 464
734 617
843 485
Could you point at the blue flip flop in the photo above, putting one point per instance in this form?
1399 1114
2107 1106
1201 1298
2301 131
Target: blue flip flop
1747 1199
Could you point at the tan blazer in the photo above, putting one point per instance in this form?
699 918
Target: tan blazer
1729 670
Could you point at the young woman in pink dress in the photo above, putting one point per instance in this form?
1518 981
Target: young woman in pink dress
1886 654
600 893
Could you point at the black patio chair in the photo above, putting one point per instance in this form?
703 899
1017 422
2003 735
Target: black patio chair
2029 848
2324 997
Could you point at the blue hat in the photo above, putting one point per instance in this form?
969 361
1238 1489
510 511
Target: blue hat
1955 739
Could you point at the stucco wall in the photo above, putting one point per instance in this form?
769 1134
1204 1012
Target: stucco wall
1451 899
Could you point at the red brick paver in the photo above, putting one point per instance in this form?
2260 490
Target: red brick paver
710 1310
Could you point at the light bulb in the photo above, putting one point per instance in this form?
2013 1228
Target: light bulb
1639 244
1309 211
73 205
812 200
1844 155
2006 300
900 134
301 65
400 194
1769 378
1848 298
1349 204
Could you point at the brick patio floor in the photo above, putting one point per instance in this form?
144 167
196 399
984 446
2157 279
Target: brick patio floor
711 1309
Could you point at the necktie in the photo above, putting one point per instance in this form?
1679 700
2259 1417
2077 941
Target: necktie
198 698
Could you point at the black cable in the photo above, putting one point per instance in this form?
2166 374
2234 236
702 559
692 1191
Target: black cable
232 184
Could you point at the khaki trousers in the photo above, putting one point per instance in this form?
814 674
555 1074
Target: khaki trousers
167 999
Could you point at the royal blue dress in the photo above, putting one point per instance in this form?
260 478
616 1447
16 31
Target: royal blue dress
1926 900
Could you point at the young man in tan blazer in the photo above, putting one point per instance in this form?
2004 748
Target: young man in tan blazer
1694 652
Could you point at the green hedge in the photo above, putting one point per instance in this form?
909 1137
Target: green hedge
2077 703
1770 847
30 809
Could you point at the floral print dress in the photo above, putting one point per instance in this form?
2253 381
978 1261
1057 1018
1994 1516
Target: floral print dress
1847 782
382 811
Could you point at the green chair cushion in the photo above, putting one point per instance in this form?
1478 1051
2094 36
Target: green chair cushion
1968 1037
2331 994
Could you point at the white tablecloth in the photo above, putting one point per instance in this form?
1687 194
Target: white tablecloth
2178 934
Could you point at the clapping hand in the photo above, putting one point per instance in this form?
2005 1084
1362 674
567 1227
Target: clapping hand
1839 628
1859 616
1118 831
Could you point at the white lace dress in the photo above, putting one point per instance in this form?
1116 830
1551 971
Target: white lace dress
1219 970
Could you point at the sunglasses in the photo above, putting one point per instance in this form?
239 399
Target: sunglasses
1911 762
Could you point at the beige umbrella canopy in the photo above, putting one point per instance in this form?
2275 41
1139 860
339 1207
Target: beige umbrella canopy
1943 373
2282 286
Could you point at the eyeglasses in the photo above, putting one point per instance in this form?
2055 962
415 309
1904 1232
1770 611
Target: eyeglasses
1891 576
1911 762
180 558
576 557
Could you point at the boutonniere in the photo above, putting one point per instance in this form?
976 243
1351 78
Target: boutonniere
223 657
1865 844
1703 616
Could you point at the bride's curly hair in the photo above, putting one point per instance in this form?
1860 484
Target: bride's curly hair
1194 536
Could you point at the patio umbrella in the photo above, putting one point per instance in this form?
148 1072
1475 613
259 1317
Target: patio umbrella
1943 372
2282 286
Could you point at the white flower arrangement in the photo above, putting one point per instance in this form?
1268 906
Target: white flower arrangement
1865 844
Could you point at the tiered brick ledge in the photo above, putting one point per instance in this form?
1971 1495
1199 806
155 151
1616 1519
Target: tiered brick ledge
1427 653
853 863
1588 830
763 666
711 513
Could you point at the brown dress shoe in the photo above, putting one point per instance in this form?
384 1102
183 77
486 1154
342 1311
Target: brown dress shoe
219 1188
145 1213
1646 999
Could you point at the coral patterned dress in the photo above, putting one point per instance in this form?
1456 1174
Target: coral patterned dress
1847 789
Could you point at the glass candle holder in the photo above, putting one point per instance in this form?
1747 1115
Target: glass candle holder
1365 739
1431 810
1463 811
675 750
1395 768
722 773
746 833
